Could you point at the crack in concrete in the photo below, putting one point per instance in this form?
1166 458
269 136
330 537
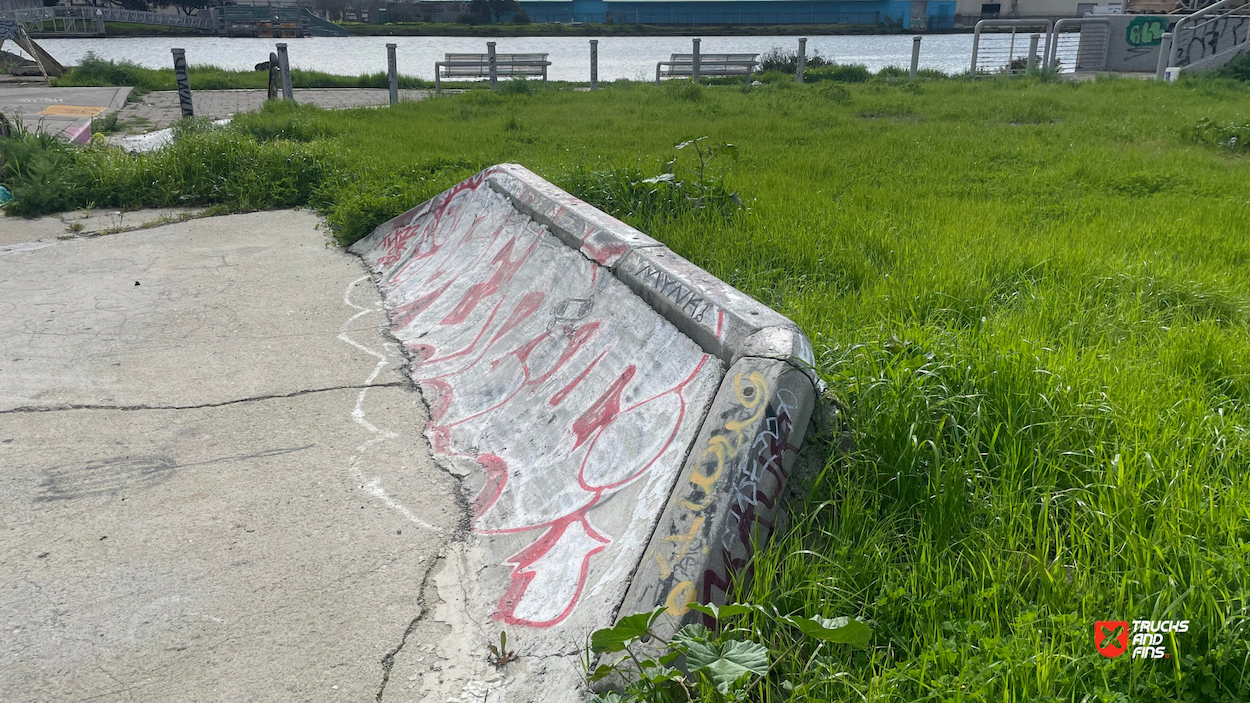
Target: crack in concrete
388 661
464 525
25 409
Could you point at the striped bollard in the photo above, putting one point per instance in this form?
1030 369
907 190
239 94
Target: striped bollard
184 84
594 64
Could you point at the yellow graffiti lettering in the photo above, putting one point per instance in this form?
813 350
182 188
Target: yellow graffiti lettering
751 389
680 598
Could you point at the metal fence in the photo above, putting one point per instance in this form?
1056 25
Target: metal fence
1080 45
1002 46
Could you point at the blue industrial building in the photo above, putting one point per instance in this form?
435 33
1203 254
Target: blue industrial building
906 14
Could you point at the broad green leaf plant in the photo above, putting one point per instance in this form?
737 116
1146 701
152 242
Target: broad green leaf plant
725 663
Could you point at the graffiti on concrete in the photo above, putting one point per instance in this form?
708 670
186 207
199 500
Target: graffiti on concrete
1210 38
673 289
719 462
544 372
1145 31
9 29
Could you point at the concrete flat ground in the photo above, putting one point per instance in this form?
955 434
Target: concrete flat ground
213 480
159 109
58 109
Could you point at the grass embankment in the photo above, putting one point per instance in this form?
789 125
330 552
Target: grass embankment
93 71
1031 299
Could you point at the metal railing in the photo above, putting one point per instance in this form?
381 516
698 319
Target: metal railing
1205 22
1000 54
1084 49
33 19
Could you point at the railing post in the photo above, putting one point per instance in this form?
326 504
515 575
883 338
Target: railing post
1165 50
802 59
915 58
284 65
694 67
392 73
976 44
184 84
1031 64
594 64
494 70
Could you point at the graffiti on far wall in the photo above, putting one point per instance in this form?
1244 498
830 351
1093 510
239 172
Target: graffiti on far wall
1145 31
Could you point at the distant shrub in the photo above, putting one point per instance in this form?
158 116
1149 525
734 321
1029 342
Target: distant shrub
778 59
520 17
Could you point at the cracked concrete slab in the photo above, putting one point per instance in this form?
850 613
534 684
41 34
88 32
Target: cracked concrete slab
222 308
271 541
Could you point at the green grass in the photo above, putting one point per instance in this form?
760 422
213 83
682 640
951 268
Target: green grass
1030 299
94 71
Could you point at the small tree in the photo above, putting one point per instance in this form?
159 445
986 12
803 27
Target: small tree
499 8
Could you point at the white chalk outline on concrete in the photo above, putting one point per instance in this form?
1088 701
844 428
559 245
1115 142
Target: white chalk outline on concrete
372 486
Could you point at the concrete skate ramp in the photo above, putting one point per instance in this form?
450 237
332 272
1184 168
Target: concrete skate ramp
623 421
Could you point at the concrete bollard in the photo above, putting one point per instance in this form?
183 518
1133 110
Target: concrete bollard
392 73
802 59
1032 62
275 78
594 64
1165 50
494 67
915 58
694 69
184 84
284 65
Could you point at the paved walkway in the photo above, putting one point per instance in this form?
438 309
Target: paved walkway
213 479
65 111
159 109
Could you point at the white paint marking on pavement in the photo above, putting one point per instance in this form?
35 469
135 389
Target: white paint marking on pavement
25 246
372 486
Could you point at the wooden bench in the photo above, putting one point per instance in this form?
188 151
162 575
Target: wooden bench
716 65
478 66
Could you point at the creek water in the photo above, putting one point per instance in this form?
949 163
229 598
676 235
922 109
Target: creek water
631 58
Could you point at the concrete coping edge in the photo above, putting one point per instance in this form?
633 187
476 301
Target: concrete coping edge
724 321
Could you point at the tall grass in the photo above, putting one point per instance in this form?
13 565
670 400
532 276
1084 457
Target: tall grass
93 71
1030 299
